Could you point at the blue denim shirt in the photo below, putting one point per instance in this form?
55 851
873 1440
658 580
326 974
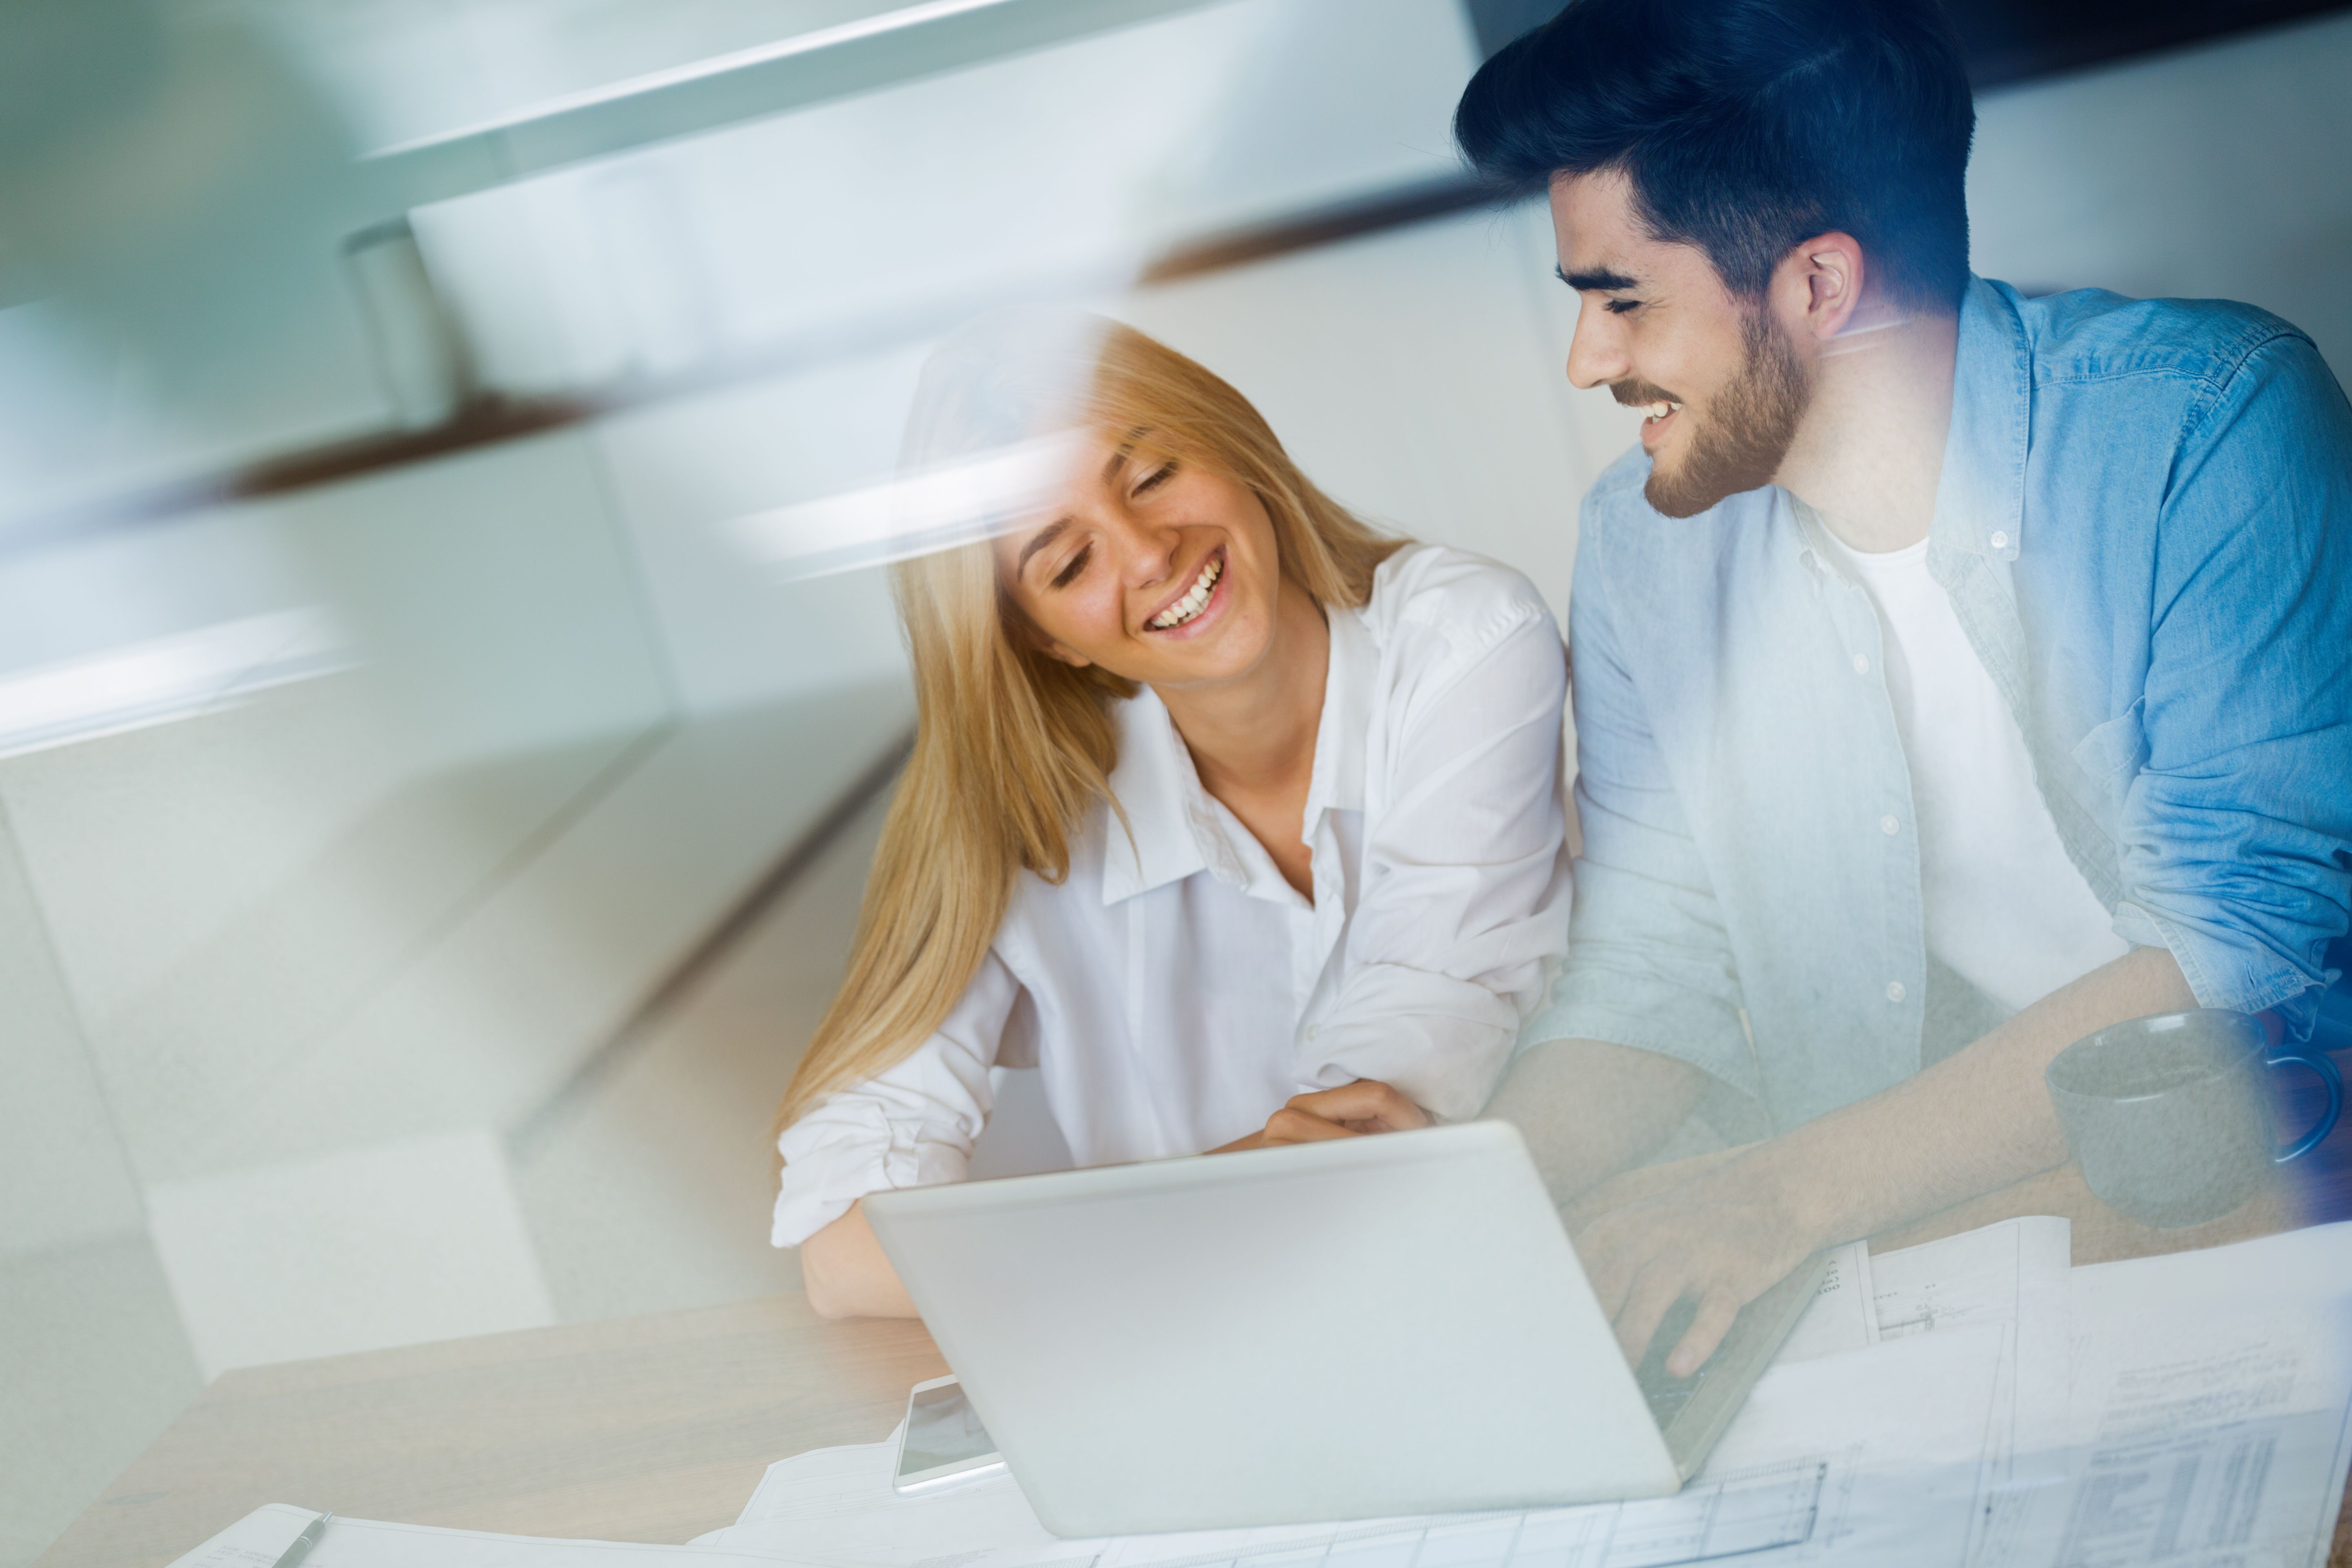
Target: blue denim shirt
2145 525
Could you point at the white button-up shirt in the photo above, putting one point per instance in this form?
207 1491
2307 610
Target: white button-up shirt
1176 990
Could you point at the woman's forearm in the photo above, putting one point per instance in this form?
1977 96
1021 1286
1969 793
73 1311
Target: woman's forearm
847 1275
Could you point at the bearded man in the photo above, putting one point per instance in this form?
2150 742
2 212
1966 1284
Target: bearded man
1954 673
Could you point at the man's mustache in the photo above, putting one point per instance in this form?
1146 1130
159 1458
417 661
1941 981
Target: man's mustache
1636 393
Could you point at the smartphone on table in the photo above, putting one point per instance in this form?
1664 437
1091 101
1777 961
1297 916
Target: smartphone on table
942 1443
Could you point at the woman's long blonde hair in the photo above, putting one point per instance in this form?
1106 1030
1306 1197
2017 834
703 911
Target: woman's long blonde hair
1013 747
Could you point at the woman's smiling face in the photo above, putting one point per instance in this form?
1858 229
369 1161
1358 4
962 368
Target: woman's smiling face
1150 566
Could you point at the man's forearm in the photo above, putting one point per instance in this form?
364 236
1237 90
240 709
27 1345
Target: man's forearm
1589 1109
1976 1122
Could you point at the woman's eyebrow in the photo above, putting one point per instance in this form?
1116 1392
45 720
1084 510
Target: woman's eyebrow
1039 540
1126 450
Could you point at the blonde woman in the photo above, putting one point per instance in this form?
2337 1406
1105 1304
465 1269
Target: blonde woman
1238 819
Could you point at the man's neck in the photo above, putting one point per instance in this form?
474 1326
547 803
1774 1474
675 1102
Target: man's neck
1870 452
1255 735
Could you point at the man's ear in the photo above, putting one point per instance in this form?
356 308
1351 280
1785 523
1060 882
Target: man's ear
1819 284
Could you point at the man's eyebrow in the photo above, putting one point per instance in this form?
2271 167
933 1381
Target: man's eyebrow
1599 278
1042 538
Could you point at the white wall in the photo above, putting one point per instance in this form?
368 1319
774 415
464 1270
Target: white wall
2219 172
840 240
276 856
735 632
914 203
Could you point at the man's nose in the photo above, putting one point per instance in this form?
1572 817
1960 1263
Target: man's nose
1596 354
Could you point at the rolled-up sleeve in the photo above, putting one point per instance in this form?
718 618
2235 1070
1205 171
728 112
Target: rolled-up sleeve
2236 766
1649 961
913 1126
1463 906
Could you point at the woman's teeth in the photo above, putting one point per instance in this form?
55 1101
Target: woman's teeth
1185 608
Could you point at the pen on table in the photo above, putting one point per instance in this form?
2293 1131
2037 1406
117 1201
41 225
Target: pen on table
293 1556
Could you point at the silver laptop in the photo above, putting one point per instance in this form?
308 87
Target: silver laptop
1350 1329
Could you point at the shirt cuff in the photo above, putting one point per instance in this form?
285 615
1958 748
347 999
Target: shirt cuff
2239 976
844 1150
1442 1043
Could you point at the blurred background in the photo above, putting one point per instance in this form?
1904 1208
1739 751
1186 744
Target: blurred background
434 805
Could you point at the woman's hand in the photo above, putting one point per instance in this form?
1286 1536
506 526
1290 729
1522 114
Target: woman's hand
1364 1106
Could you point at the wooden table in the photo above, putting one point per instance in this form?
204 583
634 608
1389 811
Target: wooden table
656 1428
650 1428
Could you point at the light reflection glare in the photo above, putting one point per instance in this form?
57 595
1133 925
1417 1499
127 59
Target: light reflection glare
165 679
954 504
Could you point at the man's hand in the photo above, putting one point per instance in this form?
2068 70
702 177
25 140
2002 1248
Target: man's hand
1364 1106
1721 1238
1976 1122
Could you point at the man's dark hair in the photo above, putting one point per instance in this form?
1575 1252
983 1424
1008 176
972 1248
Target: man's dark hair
1746 126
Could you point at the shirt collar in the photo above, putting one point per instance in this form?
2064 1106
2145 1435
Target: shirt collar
1175 826
1160 794
1981 495
1980 499
1338 784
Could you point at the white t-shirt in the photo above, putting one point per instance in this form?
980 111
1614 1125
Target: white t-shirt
1174 993
2006 910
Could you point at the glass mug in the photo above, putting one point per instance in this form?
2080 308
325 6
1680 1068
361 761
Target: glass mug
2170 1117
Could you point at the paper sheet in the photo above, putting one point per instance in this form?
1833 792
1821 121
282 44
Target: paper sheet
836 1506
2211 1412
2002 1273
1838 1457
2016 1274
1843 1316
2206 1416
257 1539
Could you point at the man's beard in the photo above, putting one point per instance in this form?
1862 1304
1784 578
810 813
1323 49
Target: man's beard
1748 429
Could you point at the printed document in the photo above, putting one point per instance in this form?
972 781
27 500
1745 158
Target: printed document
2208 1425
2014 1274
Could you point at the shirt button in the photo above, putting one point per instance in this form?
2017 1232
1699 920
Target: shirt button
1862 664
1889 826
2001 539
1894 992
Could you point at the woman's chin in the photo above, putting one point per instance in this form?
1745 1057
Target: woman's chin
1235 648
